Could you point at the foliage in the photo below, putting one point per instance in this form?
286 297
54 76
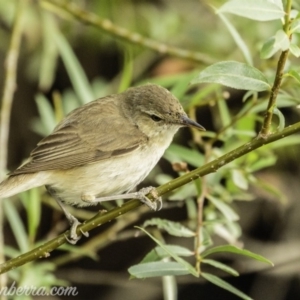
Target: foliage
269 88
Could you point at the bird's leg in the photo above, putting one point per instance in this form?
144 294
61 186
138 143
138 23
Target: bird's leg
140 195
74 223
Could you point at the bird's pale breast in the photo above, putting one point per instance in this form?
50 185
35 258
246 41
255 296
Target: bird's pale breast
112 176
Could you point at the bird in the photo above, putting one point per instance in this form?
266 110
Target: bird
102 150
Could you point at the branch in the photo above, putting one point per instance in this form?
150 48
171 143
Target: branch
99 219
278 78
124 34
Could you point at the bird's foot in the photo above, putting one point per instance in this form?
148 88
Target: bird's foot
73 238
156 203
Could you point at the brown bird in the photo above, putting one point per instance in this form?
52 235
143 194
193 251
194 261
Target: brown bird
103 149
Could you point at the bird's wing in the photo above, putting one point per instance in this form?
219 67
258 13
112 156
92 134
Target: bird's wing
91 133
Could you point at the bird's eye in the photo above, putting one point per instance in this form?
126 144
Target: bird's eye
155 118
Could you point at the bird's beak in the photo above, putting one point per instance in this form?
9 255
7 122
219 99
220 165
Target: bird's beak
188 122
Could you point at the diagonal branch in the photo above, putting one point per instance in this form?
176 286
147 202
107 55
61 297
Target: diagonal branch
124 34
99 219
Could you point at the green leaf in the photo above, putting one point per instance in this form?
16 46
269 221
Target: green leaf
205 238
295 49
32 203
180 87
281 119
273 191
127 71
183 193
11 252
46 112
268 49
16 225
224 285
262 163
75 71
239 179
277 2
79 251
295 26
286 142
70 100
260 10
49 53
238 39
235 75
159 253
184 263
236 250
177 153
282 41
294 74
225 209
201 94
220 266
172 228
155 269
279 42
224 112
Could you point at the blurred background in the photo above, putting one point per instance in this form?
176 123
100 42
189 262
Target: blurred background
65 62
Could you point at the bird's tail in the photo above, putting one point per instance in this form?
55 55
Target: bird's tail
19 183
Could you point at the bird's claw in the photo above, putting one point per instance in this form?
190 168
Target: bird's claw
73 238
156 204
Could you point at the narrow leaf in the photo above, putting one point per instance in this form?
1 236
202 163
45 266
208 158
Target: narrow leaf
158 253
294 74
126 76
239 179
281 119
268 49
32 203
224 208
16 225
75 71
49 53
225 117
220 266
260 10
224 285
46 112
155 269
236 250
177 153
295 50
172 228
238 39
282 41
235 75
295 26
286 142
184 263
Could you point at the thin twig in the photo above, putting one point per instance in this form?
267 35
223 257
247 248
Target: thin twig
99 219
10 68
200 202
265 130
122 33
